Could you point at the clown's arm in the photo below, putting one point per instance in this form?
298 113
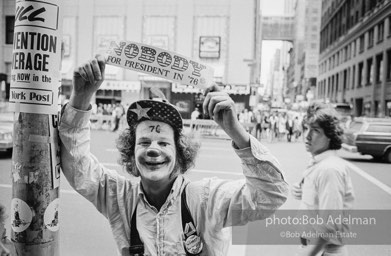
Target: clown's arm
263 189
83 171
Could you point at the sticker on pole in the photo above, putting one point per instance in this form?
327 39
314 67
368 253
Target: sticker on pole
50 217
36 57
158 62
21 215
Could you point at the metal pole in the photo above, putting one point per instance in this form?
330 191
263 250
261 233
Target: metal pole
35 81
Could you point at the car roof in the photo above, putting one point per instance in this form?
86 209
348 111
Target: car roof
372 120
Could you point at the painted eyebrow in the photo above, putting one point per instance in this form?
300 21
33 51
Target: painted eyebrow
164 139
144 138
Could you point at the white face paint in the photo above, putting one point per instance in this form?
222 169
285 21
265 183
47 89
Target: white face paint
155 151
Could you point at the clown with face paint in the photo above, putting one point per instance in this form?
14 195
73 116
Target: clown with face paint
326 187
165 213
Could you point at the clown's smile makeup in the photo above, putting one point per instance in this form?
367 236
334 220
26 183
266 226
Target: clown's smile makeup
155 150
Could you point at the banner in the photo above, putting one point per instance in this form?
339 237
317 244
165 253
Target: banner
158 62
36 58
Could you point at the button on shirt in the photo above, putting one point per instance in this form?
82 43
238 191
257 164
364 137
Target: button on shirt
327 185
211 201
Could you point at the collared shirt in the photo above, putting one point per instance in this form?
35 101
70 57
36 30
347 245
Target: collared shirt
327 185
212 202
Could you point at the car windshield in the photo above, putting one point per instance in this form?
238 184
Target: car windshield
355 126
379 128
343 109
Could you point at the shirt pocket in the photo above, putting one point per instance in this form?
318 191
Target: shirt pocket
309 194
174 249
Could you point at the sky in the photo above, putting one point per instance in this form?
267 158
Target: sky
269 8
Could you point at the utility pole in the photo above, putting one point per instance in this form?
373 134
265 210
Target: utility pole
35 171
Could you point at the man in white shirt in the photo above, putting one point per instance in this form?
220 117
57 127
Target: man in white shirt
326 186
194 116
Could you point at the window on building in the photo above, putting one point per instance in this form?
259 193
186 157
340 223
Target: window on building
362 41
389 26
360 74
354 48
356 17
9 29
379 68
388 68
345 54
371 37
345 80
353 76
369 70
337 59
337 88
380 32
363 8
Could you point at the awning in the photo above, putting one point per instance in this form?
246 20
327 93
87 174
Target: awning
230 89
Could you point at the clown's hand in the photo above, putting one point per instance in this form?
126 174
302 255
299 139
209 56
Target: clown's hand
86 81
220 107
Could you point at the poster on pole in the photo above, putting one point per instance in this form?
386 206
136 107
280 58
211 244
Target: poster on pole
158 62
36 57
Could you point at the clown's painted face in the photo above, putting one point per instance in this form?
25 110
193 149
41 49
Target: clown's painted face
155 151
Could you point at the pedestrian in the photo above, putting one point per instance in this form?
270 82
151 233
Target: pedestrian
296 128
118 112
194 116
289 128
273 126
245 118
304 127
281 126
326 186
266 127
258 125
164 213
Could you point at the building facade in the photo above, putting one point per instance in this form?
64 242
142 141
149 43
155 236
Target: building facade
219 33
304 56
355 55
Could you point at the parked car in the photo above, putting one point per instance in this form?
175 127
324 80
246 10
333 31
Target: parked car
369 136
6 128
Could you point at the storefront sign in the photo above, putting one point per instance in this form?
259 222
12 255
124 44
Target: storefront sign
35 75
210 47
158 62
120 85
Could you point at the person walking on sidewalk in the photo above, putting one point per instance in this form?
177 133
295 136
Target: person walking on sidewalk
326 187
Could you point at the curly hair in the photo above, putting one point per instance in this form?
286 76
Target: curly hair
329 120
186 150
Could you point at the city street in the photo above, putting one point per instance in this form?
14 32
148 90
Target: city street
83 231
